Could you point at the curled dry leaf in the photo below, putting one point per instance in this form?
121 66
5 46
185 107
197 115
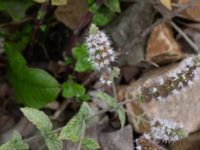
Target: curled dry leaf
162 48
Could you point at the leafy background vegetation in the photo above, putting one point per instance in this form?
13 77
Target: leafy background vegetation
27 27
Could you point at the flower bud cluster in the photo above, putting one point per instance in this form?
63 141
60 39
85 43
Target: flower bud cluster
175 81
100 50
166 130
101 55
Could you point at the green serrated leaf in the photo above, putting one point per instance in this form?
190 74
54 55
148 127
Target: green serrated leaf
38 118
113 104
42 122
108 99
15 143
80 53
58 2
33 87
72 130
102 16
53 142
15 8
113 5
122 116
90 144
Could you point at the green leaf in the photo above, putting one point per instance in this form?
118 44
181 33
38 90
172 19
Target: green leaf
33 87
15 143
38 118
113 5
108 99
80 53
71 89
122 116
52 141
15 8
90 144
58 2
42 122
72 130
113 104
102 17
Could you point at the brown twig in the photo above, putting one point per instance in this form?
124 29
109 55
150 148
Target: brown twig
187 39
61 109
164 19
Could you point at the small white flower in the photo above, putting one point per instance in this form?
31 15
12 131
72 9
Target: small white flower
154 90
92 51
106 62
110 51
98 57
104 54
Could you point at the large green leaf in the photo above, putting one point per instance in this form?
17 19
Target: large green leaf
15 8
72 130
42 122
38 118
33 87
15 143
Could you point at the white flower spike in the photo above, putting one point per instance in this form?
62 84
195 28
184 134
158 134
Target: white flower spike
166 130
100 52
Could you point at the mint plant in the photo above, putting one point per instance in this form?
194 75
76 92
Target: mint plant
33 87
73 131
15 143
70 89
